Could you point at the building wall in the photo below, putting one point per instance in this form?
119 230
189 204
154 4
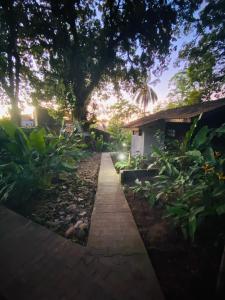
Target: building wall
150 138
143 140
137 144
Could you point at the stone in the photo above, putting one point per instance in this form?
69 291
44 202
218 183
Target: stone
83 213
80 199
78 223
72 208
70 231
69 218
63 203
83 226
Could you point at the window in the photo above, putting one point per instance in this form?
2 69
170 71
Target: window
171 132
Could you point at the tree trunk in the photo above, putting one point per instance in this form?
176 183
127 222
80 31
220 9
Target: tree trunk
15 113
80 114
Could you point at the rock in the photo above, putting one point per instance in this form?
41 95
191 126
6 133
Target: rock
83 213
78 223
63 203
80 199
83 226
70 231
62 213
69 218
72 208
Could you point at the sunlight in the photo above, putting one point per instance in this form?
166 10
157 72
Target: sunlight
27 110
4 111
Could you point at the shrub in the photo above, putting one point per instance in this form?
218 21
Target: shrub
191 181
132 163
29 163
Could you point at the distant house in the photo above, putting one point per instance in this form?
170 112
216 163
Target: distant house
27 121
173 123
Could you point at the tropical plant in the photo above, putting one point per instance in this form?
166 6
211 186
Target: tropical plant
145 94
97 142
191 181
119 135
204 55
29 163
132 163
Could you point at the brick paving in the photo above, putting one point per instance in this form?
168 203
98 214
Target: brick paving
37 264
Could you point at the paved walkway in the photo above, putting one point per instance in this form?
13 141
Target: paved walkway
115 237
37 264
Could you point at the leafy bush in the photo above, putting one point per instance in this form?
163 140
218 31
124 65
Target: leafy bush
97 142
191 181
121 138
132 163
29 163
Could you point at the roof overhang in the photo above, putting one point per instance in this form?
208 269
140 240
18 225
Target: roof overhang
179 120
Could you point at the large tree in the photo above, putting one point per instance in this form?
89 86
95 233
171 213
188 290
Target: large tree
89 42
205 54
18 48
11 13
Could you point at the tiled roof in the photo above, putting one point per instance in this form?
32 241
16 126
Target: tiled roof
184 112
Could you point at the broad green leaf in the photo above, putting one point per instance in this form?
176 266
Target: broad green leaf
37 140
220 209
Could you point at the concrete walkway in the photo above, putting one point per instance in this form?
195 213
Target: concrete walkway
37 264
115 238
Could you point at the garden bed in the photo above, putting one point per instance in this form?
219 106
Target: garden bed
67 207
185 271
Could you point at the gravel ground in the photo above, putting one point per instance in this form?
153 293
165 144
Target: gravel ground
67 207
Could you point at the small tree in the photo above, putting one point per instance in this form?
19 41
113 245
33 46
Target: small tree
146 95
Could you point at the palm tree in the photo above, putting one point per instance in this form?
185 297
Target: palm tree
145 94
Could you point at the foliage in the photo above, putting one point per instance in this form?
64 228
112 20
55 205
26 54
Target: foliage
65 49
184 90
205 55
29 163
191 181
132 163
119 135
18 48
146 189
97 142
123 111
146 94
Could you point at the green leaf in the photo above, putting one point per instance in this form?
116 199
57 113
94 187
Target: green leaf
37 140
9 127
192 226
201 137
220 209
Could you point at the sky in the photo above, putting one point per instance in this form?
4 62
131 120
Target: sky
161 88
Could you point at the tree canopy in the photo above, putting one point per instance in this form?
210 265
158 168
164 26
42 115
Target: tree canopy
78 44
205 54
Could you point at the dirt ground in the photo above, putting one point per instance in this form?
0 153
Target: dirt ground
67 207
185 271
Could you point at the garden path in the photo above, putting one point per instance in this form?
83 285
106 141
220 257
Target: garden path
115 238
37 264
